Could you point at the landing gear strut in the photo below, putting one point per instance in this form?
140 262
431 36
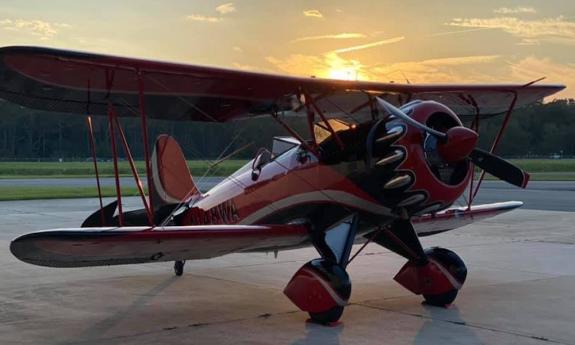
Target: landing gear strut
179 267
322 287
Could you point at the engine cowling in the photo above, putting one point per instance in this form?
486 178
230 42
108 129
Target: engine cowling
416 171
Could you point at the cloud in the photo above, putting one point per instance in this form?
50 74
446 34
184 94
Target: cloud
329 64
452 69
458 69
238 49
322 66
298 64
221 9
485 69
245 67
514 10
528 42
313 13
445 33
204 19
344 35
44 30
557 29
370 45
531 68
226 8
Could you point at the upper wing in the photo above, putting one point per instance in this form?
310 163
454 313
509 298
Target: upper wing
130 245
84 83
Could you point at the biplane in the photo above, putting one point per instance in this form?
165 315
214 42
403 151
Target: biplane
380 162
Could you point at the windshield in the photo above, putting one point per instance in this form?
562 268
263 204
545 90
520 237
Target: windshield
322 132
283 144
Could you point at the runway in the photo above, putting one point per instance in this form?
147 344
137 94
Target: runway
520 288
540 195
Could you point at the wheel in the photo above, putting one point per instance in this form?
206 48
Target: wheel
441 300
327 317
455 266
179 267
320 285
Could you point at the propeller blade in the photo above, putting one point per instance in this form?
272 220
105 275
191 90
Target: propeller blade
499 168
393 110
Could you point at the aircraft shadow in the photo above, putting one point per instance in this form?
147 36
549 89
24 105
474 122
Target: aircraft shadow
96 331
438 328
319 334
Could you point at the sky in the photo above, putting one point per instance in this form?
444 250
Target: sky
416 41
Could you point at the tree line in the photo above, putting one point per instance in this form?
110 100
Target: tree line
538 130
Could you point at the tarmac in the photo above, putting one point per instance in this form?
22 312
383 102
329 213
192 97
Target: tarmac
520 290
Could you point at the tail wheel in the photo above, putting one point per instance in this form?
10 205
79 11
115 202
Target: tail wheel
327 317
456 268
179 268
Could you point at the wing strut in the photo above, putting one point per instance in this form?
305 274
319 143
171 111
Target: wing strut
111 116
497 140
145 139
137 179
309 101
474 126
309 148
95 160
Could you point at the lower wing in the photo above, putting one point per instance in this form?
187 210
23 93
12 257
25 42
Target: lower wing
457 217
130 245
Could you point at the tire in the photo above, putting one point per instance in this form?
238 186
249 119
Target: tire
456 267
179 268
441 300
327 317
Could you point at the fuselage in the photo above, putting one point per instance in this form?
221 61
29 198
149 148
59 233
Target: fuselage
379 179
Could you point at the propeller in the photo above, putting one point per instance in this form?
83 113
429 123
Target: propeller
458 143
499 167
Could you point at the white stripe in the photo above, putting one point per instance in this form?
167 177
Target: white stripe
456 284
334 196
340 301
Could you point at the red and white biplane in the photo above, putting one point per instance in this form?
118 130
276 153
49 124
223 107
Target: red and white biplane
382 162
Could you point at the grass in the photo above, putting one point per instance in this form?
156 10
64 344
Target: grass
106 169
545 169
546 165
31 193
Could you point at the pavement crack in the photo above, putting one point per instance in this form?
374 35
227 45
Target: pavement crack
103 340
464 324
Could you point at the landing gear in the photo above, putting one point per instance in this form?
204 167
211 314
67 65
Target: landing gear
436 273
322 287
438 279
455 268
179 267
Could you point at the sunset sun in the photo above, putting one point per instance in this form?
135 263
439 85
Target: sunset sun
343 73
